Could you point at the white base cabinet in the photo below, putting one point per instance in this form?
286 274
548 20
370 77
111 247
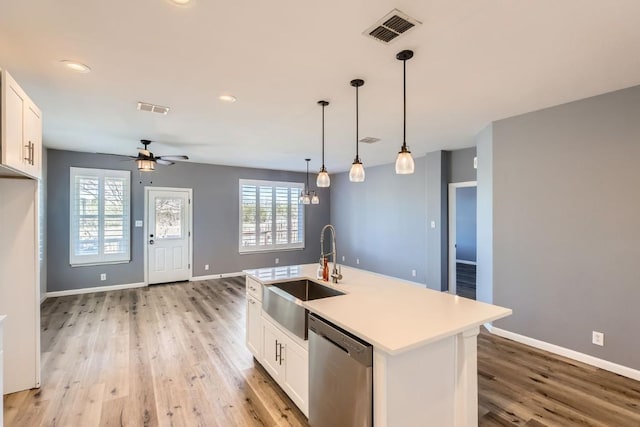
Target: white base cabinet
287 362
282 355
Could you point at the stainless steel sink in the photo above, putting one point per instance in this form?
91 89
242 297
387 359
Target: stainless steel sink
283 302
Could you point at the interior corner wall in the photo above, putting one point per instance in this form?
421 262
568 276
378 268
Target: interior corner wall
565 224
437 176
215 219
42 219
381 221
484 223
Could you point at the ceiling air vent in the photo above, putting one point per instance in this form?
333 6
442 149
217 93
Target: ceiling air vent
369 140
392 25
152 108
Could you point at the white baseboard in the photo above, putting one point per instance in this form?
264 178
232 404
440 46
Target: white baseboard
571 354
216 276
462 261
96 289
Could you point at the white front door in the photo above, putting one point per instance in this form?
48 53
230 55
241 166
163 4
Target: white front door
168 235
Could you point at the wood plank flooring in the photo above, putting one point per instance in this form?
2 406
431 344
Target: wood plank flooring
466 280
174 355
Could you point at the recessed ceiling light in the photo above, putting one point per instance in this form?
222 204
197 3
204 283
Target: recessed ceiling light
181 2
227 98
76 66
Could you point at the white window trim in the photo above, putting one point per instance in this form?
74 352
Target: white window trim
100 259
274 247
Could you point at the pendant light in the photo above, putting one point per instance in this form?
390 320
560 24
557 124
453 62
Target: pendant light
404 162
356 174
306 196
323 179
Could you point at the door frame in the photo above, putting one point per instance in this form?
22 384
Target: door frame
452 230
147 189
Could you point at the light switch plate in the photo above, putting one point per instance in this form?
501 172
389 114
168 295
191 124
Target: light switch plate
139 223
433 224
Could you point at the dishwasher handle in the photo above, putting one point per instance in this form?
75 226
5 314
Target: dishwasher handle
356 348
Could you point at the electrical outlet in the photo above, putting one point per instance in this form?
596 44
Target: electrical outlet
103 276
358 261
413 273
597 338
342 258
206 267
277 260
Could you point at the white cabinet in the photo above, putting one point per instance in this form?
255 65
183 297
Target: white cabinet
254 327
20 283
1 379
288 364
286 360
21 130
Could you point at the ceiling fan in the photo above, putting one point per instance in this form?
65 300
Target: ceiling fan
146 161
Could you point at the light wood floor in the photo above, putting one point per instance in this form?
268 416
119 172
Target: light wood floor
174 355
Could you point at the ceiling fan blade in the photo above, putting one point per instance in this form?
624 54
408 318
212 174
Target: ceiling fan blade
119 155
178 158
163 162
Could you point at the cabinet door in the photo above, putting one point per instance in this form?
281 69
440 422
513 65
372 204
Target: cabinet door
14 100
272 348
295 379
32 140
254 327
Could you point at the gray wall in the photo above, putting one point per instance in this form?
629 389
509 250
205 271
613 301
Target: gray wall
484 206
215 219
437 175
42 219
466 223
385 220
381 221
566 209
461 165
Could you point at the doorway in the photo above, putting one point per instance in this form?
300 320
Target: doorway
168 243
462 238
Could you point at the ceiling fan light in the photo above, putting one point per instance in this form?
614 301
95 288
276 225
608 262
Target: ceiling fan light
145 165
315 199
356 174
404 162
323 179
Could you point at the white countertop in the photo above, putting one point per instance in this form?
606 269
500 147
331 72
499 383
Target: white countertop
392 314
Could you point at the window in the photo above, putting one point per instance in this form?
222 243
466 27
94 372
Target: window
271 218
100 216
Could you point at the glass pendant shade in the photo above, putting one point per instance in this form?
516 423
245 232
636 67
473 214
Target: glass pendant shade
315 199
356 174
146 165
306 199
323 179
404 162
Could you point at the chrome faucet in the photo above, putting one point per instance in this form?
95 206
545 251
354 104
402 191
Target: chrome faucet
336 274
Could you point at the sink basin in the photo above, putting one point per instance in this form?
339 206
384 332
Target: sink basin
283 302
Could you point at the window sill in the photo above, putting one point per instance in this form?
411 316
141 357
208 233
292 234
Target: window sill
266 251
91 264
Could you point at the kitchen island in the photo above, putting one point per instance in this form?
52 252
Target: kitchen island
424 343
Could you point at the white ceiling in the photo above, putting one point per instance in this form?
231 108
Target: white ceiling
475 61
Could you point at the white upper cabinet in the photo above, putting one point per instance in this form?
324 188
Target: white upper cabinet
21 126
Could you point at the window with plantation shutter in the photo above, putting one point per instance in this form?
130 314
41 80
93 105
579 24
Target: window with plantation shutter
100 216
271 218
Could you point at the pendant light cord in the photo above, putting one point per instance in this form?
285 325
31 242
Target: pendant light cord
357 125
323 168
307 187
404 123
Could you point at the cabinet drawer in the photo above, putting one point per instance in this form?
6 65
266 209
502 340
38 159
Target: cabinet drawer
254 288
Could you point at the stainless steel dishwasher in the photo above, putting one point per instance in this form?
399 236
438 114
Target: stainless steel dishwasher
340 377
